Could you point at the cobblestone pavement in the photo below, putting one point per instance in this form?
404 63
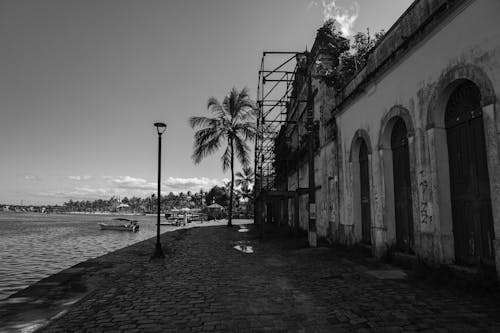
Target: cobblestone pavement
205 284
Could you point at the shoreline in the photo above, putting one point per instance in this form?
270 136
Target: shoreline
78 213
35 306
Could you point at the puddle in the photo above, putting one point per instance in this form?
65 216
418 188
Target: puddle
244 248
393 274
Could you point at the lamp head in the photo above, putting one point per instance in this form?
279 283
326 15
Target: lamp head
161 128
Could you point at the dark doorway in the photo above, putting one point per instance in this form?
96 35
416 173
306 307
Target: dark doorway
402 187
270 212
469 182
365 193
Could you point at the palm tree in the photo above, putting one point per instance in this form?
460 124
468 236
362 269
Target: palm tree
245 179
232 126
247 193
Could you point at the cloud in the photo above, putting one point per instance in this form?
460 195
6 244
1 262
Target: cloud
191 183
171 184
312 4
130 186
344 17
79 193
32 178
79 178
127 182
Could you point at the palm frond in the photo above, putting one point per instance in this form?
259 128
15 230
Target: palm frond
243 94
200 121
244 101
248 171
212 101
226 159
203 149
245 178
242 151
215 107
248 105
206 134
228 104
246 114
247 130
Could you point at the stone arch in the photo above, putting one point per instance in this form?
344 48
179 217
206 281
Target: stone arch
436 137
388 122
447 84
386 165
361 136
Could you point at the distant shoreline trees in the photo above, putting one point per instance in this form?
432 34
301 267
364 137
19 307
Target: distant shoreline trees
139 205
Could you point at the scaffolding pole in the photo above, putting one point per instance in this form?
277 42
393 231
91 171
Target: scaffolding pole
275 84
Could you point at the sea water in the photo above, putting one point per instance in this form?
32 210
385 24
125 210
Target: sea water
34 246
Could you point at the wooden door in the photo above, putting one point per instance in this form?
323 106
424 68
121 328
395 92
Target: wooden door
402 187
365 193
469 182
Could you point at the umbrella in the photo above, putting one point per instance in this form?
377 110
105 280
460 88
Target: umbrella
215 206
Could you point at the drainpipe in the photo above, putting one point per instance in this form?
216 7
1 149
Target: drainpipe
312 188
337 158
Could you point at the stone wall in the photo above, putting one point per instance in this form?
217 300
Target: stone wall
443 46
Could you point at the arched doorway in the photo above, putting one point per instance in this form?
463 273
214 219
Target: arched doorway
364 177
402 187
469 181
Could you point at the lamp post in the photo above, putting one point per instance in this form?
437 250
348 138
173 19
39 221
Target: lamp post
160 128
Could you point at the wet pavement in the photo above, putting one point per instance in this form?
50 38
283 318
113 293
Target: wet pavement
218 279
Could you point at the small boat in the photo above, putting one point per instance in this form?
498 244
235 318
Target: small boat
131 225
175 219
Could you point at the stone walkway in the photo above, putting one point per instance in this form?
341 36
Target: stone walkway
205 284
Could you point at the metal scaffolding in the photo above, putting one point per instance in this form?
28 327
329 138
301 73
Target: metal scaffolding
276 77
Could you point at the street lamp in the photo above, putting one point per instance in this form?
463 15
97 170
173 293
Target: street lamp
160 128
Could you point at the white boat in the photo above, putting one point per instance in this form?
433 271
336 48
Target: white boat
175 218
130 225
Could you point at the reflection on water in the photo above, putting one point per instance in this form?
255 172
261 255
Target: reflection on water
245 248
34 246
242 229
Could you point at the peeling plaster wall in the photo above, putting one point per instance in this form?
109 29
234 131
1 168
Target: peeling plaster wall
471 36
465 42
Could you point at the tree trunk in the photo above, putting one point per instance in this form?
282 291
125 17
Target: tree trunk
230 217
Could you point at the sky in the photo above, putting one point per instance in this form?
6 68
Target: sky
82 82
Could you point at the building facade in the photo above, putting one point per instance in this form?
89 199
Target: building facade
406 156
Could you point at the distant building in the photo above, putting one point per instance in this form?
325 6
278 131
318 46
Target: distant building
123 207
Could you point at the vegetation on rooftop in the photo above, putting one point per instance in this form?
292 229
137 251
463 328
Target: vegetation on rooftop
349 56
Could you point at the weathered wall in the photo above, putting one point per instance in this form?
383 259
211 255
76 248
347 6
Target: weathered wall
462 41
461 46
